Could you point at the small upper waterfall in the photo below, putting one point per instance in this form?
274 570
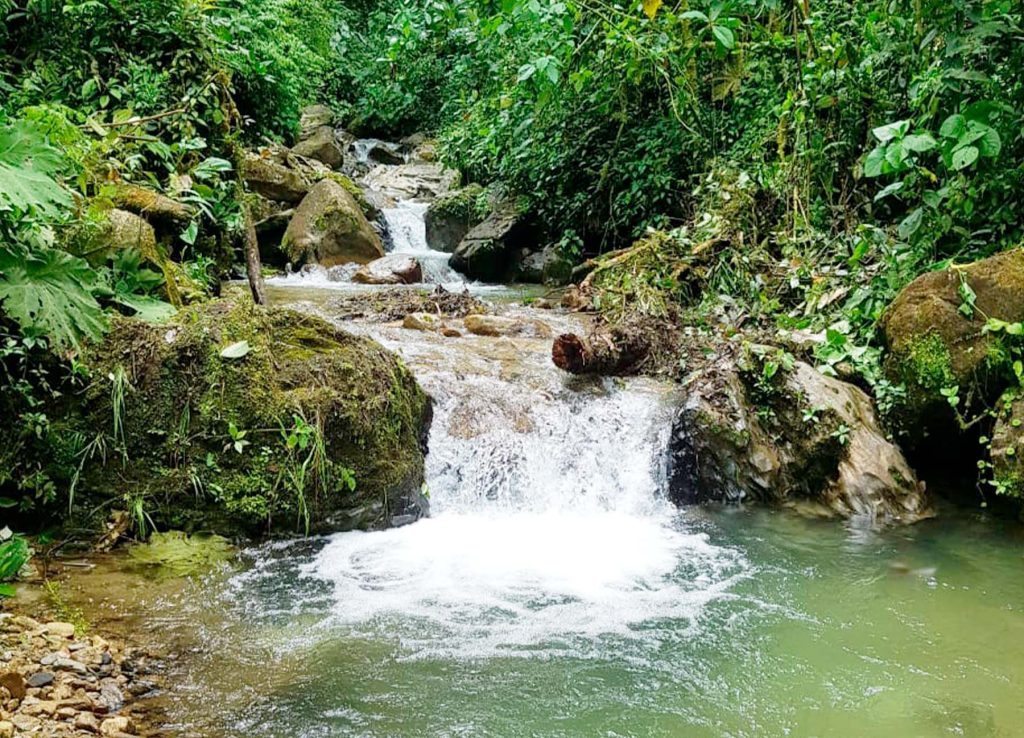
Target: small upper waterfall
407 233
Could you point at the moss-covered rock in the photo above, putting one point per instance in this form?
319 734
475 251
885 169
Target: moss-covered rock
329 228
237 417
321 145
753 430
935 335
267 174
450 217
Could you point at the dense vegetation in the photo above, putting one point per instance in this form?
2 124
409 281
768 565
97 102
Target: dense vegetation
830 150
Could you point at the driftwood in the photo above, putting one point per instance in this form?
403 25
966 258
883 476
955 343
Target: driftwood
604 351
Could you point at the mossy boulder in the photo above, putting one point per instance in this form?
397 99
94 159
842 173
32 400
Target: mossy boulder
237 418
329 228
450 217
753 430
266 174
935 335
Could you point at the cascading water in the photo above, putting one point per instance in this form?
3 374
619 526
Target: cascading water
408 235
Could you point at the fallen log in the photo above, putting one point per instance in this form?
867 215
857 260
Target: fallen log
602 352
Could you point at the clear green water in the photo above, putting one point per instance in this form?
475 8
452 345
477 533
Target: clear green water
827 632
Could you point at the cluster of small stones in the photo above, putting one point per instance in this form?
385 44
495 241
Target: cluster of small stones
55 684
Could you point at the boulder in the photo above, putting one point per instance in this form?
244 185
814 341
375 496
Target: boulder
547 266
418 181
329 228
232 365
314 117
450 217
391 269
486 252
267 175
375 151
321 145
119 231
936 338
750 429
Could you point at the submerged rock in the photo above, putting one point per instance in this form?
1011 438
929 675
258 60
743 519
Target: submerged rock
763 433
391 269
329 228
207 407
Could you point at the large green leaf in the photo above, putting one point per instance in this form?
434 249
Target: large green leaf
27 169
48 291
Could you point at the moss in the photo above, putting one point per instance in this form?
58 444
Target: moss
927 363
353 189
468 204
177 453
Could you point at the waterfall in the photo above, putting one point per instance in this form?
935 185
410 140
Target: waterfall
549 524
407 233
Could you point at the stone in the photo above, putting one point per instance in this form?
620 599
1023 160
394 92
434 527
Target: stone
934 342
795 436
485 253
329 228
421 322
66 664
61 630
390 269
110 696
27 723
314 117
267 176
6 729
547 266
114 726
87 721
375 151
14 683
450 217
43 708
416 181
321 145
493 325
40 679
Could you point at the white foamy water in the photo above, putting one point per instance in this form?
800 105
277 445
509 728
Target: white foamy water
549 524
408 233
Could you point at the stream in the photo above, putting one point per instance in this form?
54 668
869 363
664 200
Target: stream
554 591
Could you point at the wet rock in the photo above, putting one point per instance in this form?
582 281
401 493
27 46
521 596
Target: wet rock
547 266
382 152
421 322
493 325
411 181
343 272
321 145
266 175
747 433
486 252
40 679
936 340
450 217
391 269
314 117
329 228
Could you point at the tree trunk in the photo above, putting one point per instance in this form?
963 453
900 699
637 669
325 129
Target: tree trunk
602 352
253 268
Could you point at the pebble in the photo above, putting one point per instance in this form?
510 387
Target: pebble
6 729
66 664
62 630
115 725
40 679
86 721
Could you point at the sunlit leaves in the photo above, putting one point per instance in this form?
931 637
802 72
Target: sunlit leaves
651 7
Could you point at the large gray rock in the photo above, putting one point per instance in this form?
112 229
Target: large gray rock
329 228
793 436
391 269
321 145
486 252
547 266
314 117
420 181
266 174
451 217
